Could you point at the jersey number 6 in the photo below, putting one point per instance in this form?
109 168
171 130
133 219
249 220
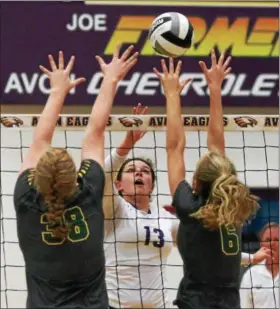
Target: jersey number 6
229 240
75 219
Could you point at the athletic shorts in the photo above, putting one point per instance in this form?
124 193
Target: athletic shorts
220 298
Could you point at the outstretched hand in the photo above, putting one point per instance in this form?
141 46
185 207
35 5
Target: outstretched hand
170 78
218 71
136 135
119 66
60 77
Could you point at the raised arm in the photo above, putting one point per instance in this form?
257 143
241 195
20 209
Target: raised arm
60 86
114 161
93 143
175 137
133 136
214 77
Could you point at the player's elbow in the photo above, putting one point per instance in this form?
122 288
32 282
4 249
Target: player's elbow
176 145
42 138
217 146
216 142
93 140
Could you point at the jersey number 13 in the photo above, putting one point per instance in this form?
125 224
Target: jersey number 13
160 235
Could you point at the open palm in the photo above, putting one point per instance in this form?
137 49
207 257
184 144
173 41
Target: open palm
136 135
60 76
218 70
119 65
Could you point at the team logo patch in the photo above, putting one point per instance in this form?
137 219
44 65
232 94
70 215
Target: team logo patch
129 122
245 121
11 122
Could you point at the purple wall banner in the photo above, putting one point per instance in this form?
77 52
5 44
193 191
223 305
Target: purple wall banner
32 30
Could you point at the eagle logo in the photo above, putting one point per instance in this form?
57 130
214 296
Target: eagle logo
10 122
129 122
245 121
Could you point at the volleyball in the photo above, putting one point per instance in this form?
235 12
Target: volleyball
171 34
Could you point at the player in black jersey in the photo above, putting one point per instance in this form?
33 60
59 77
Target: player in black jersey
60 217
213 210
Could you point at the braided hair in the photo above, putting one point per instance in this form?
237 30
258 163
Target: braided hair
55 178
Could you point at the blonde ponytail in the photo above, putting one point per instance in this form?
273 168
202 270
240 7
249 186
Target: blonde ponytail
55 179
229 201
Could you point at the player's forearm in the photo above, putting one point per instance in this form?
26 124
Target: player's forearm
113 161
215 137
48 119
175 130
102 107
126 145
112 164
247 258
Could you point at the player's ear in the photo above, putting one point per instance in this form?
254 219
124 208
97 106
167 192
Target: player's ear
195 184
118 185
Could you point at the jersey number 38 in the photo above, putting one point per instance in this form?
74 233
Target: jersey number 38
75 219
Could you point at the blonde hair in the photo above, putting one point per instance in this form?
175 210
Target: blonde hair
229 202
55 178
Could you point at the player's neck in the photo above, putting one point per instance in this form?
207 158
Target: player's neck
141 202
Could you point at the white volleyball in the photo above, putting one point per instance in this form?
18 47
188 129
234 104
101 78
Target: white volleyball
171 34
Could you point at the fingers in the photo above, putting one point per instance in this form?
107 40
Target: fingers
178 68
132 58
126 54
78 81
134 110
70 64
139 110
266 251
60 60
117 51
203 67
227 71
221 59
100 61
213 58
171 65
144 110
185 82
164 67
157 73
227 62
44 70
130 65
52 63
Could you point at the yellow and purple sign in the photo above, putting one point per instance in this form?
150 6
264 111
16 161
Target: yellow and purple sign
32 30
